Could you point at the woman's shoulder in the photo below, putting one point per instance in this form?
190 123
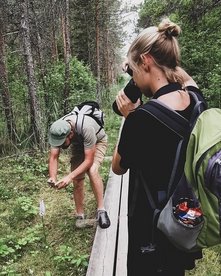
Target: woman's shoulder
143 117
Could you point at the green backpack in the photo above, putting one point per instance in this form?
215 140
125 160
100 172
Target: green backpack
191 218
203 172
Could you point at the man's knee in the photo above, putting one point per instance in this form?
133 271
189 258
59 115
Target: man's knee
93 171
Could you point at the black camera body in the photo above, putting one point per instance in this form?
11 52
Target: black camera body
132 92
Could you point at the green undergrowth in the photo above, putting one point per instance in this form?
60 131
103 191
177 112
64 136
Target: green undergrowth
31 244
47 245
209 265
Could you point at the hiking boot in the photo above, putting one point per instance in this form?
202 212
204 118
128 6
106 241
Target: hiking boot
81 222
103 219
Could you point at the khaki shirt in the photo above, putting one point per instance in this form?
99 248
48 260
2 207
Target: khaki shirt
90 131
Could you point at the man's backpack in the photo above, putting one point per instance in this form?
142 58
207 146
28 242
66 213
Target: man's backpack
191 219
88 108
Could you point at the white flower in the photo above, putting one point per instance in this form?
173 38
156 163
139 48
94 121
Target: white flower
42 208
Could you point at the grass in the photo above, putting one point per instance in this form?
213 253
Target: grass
210 265
48 245
28 245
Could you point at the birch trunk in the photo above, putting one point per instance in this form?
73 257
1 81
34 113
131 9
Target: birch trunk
35 119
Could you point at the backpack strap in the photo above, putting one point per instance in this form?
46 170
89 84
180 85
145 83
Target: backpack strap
81 112
176 123
172 119
86 110
200 106
139 179
167 116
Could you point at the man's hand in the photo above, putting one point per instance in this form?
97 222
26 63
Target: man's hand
51 181
124 104
65 181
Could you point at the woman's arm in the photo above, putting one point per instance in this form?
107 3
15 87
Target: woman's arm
117 169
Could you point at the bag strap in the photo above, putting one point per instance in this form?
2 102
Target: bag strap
140 179
87 110
200 106
172 119
146 189
176 123
167 116
179 125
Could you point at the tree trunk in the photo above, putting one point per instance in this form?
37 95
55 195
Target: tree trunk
54 48
67 55
98 50
36 123
6 99
41 63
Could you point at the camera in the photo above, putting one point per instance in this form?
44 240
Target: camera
131 91
129 71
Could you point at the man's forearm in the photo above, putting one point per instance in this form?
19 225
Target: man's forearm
82 168
53 169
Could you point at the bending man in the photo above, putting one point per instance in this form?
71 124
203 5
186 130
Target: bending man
87 154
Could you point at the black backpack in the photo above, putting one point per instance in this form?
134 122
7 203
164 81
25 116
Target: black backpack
182 236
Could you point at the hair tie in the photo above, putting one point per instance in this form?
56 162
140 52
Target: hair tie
171 32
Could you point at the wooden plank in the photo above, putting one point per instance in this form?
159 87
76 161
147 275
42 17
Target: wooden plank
101 261
121 260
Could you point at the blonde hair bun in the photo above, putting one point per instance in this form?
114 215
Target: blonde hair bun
169 28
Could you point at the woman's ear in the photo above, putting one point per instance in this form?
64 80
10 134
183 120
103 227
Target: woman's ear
146 58
146 61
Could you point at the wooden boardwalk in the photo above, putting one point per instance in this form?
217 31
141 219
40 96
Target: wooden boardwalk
109 251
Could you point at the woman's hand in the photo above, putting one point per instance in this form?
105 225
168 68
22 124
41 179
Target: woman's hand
124 104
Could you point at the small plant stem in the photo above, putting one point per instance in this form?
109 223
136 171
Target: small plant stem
45 237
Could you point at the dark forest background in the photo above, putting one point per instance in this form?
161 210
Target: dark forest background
56 53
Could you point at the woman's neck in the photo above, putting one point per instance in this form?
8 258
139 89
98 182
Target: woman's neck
157 79
158 83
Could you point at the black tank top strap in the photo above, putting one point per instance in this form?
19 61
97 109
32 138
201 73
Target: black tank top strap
171 87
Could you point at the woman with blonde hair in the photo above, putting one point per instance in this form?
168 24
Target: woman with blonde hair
150 147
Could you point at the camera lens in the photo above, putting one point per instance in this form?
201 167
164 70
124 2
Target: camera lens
132 92
129 71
